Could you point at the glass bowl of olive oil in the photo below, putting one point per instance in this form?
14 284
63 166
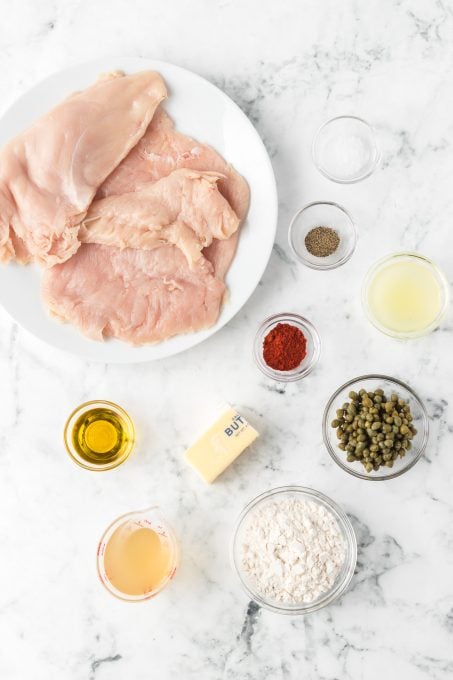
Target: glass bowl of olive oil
99 435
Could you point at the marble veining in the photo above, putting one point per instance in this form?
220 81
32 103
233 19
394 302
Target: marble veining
290 66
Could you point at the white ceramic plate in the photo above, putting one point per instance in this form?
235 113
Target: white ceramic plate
199 109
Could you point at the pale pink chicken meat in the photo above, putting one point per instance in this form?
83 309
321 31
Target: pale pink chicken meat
161 150
50 173
139 296
185 208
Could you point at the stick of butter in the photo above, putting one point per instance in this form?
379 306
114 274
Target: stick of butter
217 448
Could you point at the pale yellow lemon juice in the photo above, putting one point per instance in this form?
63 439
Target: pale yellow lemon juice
405 295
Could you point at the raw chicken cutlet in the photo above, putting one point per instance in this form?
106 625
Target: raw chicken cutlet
161 150
50 173
184 208
139 296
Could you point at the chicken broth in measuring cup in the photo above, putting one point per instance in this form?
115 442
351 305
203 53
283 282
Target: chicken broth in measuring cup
137 555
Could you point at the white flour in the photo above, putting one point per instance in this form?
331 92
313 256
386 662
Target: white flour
293 550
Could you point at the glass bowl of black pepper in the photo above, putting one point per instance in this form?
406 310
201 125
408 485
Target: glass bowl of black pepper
375 427
322 235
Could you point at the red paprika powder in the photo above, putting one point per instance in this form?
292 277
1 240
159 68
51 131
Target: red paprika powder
284 347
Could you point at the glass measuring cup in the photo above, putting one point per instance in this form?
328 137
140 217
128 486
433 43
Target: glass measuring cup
137 555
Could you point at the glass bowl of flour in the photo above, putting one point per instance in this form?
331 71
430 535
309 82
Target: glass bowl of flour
294 550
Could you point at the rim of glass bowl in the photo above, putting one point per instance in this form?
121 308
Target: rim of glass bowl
70 424
376 151
321 266
303 324
175 556
348 534
347 466
372 271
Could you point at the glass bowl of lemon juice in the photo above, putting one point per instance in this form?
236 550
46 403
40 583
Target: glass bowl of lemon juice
405 295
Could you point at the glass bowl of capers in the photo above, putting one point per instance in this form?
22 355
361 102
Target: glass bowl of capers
375 427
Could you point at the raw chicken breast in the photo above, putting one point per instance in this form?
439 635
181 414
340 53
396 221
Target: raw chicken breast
161 150
139 296
221 253
185 209
50 173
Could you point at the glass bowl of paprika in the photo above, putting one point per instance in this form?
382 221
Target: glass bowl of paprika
287 347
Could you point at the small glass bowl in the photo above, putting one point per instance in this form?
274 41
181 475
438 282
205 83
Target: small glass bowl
389 385
344 577
345 149
322 214
75 415
313 347
396 257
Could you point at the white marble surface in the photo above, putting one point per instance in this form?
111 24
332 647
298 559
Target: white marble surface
290 66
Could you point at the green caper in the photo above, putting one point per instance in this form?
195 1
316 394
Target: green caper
373 428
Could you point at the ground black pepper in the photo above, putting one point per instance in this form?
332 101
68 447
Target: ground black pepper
322 241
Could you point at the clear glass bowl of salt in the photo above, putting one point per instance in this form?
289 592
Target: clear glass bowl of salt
345 149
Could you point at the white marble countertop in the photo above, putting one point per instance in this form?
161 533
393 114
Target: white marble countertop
290 66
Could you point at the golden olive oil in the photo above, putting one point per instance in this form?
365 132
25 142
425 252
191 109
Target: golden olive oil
100 436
